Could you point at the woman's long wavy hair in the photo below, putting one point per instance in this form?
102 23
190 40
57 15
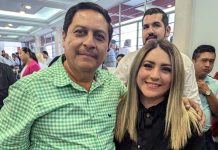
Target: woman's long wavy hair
179 122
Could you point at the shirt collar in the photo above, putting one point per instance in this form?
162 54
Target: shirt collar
62 79
207 79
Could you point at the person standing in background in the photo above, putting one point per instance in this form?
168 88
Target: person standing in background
119 57
9 60
46 57
3 53
155 26
30 62
41 60
2 59
7 78
126 47
203 59
110 60
214 124
16 60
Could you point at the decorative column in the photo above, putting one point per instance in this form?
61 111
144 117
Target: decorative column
37 44
183 24
58 41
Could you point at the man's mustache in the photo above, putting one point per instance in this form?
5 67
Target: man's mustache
90 53
151 36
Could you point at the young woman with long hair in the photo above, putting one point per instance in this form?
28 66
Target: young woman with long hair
152 116
29 60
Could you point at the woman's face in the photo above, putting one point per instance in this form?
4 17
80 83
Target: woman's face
154 76
23 56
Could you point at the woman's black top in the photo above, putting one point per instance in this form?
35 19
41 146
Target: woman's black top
150 129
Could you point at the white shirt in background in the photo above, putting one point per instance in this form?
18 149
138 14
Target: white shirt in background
125 50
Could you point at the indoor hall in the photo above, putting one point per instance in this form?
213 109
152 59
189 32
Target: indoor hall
36 28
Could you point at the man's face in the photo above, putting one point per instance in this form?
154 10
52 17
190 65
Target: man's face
86 41
114 46
153 28
23 56
44 55
204 64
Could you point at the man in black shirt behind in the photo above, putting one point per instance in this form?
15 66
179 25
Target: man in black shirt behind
7 78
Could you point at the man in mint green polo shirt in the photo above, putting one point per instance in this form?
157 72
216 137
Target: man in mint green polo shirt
203 59
71 105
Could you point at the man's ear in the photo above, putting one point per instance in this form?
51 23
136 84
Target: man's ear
168 29
64 35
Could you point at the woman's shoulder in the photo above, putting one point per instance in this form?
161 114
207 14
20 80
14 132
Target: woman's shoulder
33 64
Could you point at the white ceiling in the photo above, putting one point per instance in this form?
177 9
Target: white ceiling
43 17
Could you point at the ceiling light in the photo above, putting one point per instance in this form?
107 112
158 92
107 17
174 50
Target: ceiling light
28 6
169 6
10 25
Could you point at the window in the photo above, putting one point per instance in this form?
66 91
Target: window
130 26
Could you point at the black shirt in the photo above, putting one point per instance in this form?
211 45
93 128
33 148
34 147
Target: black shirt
150 129
7 78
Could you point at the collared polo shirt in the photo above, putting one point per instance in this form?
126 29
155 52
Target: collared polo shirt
47 110
213 85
